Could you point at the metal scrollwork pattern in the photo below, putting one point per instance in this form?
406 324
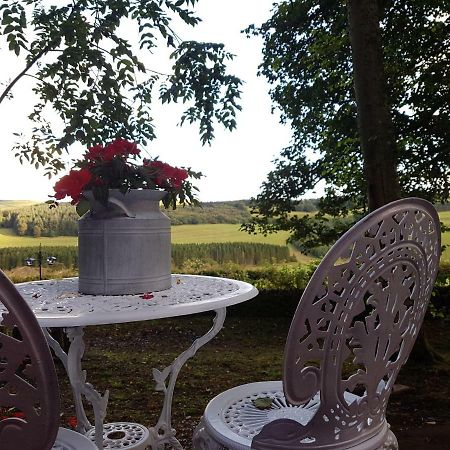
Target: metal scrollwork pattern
357 322
28 385
58 302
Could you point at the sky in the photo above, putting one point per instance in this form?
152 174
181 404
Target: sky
234 165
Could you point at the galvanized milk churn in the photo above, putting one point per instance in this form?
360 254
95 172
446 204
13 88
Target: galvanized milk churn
124 248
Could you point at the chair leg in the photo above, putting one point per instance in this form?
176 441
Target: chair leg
201 440
390 443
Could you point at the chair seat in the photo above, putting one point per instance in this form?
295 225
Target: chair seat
71 440
232 419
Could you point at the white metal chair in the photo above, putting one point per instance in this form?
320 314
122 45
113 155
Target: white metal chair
28 383
353 330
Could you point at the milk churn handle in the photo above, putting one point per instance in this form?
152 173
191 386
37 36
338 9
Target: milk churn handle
121 205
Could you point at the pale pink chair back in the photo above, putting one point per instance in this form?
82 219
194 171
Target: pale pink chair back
28 383
355 326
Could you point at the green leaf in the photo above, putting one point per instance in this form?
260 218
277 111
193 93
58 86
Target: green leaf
90 83
8 29
82 207
262 403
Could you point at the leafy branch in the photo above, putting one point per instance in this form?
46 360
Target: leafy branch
95 82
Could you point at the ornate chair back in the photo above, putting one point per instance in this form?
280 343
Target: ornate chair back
29 394
355 326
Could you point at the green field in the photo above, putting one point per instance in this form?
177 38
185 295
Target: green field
445 217
205 233
15 204
181 234
9 239
187 234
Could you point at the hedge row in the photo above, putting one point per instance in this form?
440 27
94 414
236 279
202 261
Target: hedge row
182 254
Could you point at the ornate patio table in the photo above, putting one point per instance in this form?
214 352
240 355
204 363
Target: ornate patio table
58 304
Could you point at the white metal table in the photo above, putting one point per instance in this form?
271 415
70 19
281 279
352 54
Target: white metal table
58 304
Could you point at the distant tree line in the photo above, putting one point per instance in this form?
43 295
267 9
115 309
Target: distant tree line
443 206
307 205
40 220
211 212
11 257
234 252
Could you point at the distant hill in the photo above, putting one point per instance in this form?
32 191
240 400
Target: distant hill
211 212
31 219
15 204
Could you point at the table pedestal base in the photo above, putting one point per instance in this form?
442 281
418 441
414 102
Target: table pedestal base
162 434
123 435
120 435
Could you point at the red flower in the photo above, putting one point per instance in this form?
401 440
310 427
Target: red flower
112 167
179 176
120 147
72 422
129 147
95 152
167 175
72 185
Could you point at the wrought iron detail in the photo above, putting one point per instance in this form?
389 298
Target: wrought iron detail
162 433
357 322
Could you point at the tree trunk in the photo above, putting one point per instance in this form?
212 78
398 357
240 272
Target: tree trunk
375 128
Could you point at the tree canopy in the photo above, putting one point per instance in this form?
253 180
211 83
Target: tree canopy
307 58
91 74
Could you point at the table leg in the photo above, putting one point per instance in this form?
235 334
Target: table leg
163 433
77 377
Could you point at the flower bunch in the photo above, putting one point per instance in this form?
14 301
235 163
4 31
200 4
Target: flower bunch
115 166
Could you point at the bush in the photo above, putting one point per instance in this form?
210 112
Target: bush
244 253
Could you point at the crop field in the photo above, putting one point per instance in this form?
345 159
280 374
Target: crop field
9 239
181 234
206 233
191 234
14 204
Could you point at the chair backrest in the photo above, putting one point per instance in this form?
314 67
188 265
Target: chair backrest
355 326
28 384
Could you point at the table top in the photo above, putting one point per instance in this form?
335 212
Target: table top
57 303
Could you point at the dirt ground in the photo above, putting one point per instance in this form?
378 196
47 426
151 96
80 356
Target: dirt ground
428 437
